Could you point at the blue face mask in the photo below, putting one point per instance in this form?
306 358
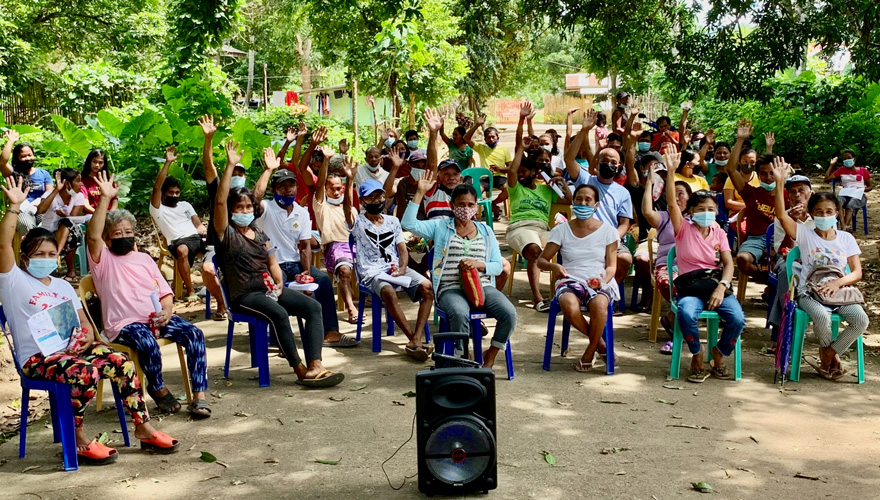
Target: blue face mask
849 162
389 142
703 219
583 212
822 223
412 144
40 268
285 201
236 182
242 220
769 187
644 146
492 144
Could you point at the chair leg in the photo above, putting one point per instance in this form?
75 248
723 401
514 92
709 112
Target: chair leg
509 356
551 330
656 307
865 217
677 341
797 344
621 304
120 412
861 353
261 344
99 397
360 324
477 338
207 304
634 299
609 342
56 425
389 326
741 287
187 383
229 331
427 332
566 332
513 259
22 433
377 323
64 407
738 366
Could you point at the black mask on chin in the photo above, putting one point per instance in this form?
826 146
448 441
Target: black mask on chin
607 171
171 201
122 246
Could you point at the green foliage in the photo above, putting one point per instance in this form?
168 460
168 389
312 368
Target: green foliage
198 29
81 84
194 97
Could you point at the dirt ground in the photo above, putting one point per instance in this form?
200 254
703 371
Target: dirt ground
747 439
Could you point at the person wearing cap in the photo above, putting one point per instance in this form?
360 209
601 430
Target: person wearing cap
289 228
619 117
254 280
381 249
799 190
178 222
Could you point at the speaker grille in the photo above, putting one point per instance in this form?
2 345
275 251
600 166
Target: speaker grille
459 450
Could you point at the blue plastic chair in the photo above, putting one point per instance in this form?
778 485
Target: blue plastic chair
772 280
258 333
60 408
476 331
723 220
799 331
855 211
485 204
607 335
712 319
377 306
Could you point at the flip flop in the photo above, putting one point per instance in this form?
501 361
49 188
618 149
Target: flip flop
219 316
97 454
836 374
199 409
667 348
324 379
353 319
166 403
582 367
192 299
417 353
698 377
817 365
721 372
543 306
344 341
160 443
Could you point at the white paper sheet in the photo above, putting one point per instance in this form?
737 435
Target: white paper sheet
403 281
856 193
303 287
51 328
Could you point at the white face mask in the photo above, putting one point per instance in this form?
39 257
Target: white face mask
335 201
417 173
548 148
71 192
372 168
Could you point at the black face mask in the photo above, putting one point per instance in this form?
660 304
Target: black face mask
122 246
24 167
171 201
607 171
527 181
374 208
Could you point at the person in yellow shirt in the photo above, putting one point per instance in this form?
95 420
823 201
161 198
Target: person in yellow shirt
493 156
685 172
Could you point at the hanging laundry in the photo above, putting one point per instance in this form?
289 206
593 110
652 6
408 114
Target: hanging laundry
291 98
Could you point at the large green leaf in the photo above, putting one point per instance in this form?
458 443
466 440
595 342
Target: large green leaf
25 129
141 124
99 129
162 132
2 120
177 123
75 138
110 122
240 127
257 141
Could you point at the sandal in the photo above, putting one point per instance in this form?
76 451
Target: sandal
70 279
353 319
816 364
199 409
344 341
167 403
698 377
582 367
97 454
542 306
418 353
193 299
219 316
324 379
837 373
160 443
721 372
667 348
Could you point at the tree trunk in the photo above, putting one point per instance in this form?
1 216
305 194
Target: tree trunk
354 115
395 100
265 88
411 112
304 49
250 82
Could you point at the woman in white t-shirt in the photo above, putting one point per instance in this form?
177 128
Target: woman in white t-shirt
824 246
28 290
62 210
588 251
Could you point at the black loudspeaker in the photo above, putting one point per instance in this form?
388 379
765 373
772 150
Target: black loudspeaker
455 413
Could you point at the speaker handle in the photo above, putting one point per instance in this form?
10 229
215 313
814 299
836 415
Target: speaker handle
440 338
444 361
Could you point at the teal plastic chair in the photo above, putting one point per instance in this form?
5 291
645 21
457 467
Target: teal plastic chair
711 318
802 319
81 260
477 173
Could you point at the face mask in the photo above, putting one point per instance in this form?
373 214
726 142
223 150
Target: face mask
372 168
720 163
236 182
122 246
374 208
242 220
492 144
335 201
285 201
171 201
849 162
644 146
464 214
412 144
704 219
40 268
822 223
71 192
583 212
549 149
768 187
746 168
417 173
24 166
607 171
389 142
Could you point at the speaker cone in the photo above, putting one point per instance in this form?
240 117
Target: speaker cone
459 450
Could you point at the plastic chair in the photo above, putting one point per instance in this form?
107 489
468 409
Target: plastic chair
485 204
855 211
657 302
87 286
516 258
712 319
772 280
607 335
60 408
802 319
377 306
81 260
165 258
476 332
630 243
743 280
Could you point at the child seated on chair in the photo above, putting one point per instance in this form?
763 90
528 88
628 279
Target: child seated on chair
381 248
856 180
62 210
828 252
588 248
705 270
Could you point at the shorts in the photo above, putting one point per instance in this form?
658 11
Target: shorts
849 202
755 246
584 293
209 255
622 248
317 235
337 254
195 244
74 239
526 232
661 278
642 249
376 285
498 182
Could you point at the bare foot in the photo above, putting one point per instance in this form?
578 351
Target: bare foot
697 362
332 336
489 357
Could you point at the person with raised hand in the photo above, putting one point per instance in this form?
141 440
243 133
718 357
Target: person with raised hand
856 182
95 162
63 213
22 159
705 271
248 263
830 269
493 156
459 151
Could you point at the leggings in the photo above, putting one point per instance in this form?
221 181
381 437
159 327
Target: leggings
83 373
139 337
324 293
278 313
821 315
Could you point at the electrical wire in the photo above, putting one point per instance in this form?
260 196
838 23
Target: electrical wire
405 478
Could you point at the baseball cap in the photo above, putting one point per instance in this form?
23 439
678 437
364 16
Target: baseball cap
622 95
449 163
368 187
653 156
282 175
417 156
794 179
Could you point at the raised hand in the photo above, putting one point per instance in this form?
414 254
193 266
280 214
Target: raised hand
343 147
710 136
686 136
233 155
320 135
207 124
426 182
291 134
525 109
481 120
573 111
634 111
532 114
326 151
672 158
270 160
12 136
780 170
384 134
636 131
171 154
349 169
770 139
590 117
687 105
16 190
396 161
433 120
58 179
744 129
301 130
834 160
108 188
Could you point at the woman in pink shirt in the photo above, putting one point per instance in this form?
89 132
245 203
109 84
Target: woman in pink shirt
705 271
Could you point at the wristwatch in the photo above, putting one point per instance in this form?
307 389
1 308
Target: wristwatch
727 284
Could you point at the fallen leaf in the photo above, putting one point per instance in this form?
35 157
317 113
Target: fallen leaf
241 414
209 478
327 462
611 451
16 403
688 426
563 403
620 473
32 467
237 482
609 402
676 387
550 459
753 439
628 347
228 383
224 464
102 439
279 420
338 398
273 461
288 395
358 387
409 394
801 475
703 487
677 417
207 457
398 403
666 402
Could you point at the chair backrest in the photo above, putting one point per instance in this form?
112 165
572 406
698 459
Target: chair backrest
722 217
477 173
7 334
630 243
739 219
768 242
651 235
223 288
558 208
86 286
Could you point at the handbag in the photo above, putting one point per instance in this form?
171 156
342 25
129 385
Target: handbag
472 287
700 283
844 296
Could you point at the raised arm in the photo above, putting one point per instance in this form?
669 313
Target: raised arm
710 139
208 128
529 127
269 168
350 172
651 215
675 216
390 186
372 104
318 137
571 164
743 131
525 110
233 156
289 138
170 157
11 138
95 230
468 137
630 138
435 127
569 127
322 174
683 125
16 193
301 132
779 172
829 174
769 142
49 197
512 177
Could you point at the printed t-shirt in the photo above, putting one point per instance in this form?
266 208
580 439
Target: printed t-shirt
39 179
531 204
852 177
92 192
760 209
376 245
816 251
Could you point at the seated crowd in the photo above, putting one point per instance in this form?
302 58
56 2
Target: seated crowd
583 208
